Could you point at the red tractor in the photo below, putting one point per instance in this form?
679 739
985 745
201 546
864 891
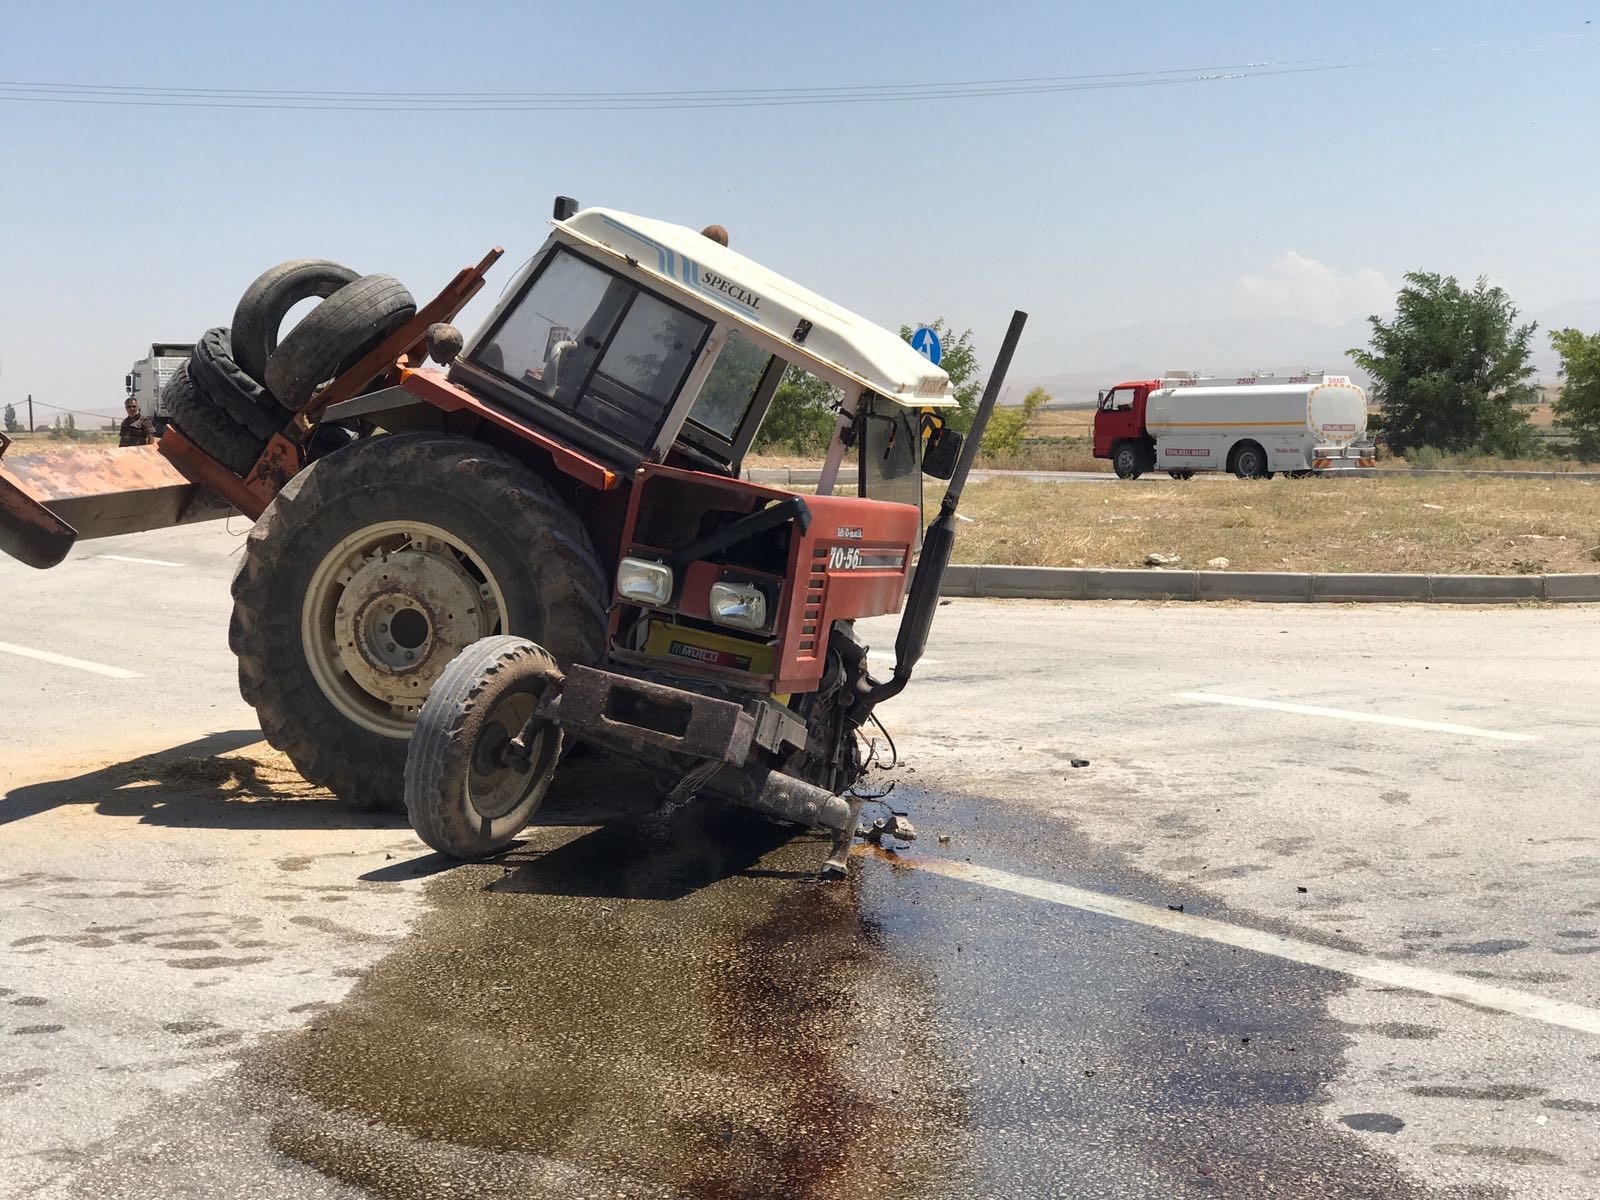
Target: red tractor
456 570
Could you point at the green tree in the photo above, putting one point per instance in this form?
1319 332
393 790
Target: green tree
1451 369
1007 426
11 423
1577 408
802 416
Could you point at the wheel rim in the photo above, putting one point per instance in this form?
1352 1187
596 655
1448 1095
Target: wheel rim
498 782
386 610
1249 465
1125 462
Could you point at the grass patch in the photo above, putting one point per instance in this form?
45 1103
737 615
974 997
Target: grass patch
1379 523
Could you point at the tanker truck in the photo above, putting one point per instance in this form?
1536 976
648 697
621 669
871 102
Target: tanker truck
1254 425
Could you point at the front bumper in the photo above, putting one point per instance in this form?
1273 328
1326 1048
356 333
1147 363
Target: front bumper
653 720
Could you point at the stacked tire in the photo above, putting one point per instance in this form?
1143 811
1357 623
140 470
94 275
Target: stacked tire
242 385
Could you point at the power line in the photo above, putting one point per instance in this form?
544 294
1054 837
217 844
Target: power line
23 93
698 94
151 96
77 412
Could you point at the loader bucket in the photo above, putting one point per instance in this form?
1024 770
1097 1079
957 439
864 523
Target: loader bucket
48 501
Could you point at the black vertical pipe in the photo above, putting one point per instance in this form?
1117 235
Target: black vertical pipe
923 598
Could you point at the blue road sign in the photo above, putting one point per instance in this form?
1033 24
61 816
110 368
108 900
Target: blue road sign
926 343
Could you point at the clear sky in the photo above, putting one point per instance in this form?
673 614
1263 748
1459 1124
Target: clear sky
1449 136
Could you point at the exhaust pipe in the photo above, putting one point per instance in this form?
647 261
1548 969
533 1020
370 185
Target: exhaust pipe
923 598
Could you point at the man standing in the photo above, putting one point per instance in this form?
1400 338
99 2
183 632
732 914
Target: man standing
136 427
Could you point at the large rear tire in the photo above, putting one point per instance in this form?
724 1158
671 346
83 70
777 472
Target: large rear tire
469 788
372 569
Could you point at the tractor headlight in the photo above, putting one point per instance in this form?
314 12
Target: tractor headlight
738 606
644 582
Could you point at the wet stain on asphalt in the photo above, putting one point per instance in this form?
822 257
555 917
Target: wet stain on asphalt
675 1008
1402 1031
1491 946
1583 1106
1497 1091
1373 1122
1522 1156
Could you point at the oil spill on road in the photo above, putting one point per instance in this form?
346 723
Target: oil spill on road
652 1007
1108 1058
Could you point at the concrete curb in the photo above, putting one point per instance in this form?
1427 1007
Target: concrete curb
807 477
988 580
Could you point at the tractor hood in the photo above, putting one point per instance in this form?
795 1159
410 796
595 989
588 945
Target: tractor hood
805 326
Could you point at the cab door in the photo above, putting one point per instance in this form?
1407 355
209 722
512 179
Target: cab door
1117 416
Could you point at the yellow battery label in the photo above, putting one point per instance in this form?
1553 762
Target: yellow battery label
705 648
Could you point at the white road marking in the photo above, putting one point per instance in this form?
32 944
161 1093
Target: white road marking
1376 970
61 660
885 657
1344 714
148 562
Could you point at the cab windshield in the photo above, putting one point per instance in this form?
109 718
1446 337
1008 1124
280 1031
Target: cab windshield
890 438
596 346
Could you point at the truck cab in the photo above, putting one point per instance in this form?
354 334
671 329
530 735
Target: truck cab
1119 428
148 377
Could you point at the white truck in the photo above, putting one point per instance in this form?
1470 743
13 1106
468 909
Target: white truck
1254 425
147 378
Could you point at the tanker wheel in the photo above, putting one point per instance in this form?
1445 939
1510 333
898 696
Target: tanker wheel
482 757
372 569
1126 461
1250 462
1181 474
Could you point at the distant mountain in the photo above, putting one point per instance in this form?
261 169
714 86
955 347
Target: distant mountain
1220 346
1095 359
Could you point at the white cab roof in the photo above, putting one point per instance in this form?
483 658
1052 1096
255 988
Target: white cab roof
681 259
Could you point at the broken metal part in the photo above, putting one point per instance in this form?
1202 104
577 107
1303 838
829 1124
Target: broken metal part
690 784
835 866
637 714
890 827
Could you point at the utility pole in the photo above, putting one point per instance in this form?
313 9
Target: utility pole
30 412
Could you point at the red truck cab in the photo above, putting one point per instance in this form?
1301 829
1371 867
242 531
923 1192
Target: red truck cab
1119 429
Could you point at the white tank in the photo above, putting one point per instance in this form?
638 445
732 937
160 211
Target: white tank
1333 413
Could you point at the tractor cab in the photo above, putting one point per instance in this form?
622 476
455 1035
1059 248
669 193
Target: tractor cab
642 341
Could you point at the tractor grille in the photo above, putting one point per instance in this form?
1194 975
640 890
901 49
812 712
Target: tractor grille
811 614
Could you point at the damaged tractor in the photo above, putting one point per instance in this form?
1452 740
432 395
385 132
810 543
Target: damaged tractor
458 571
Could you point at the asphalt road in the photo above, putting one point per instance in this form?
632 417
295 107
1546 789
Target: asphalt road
1318 918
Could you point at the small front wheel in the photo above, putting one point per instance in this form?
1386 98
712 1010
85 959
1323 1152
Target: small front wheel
482 756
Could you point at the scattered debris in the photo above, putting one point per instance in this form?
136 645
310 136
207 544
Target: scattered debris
1080 762
892 826
1157 559
1299 889
1438 507
1174 908
944 839
1219 563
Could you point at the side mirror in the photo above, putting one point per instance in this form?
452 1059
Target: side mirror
940 454
564 208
